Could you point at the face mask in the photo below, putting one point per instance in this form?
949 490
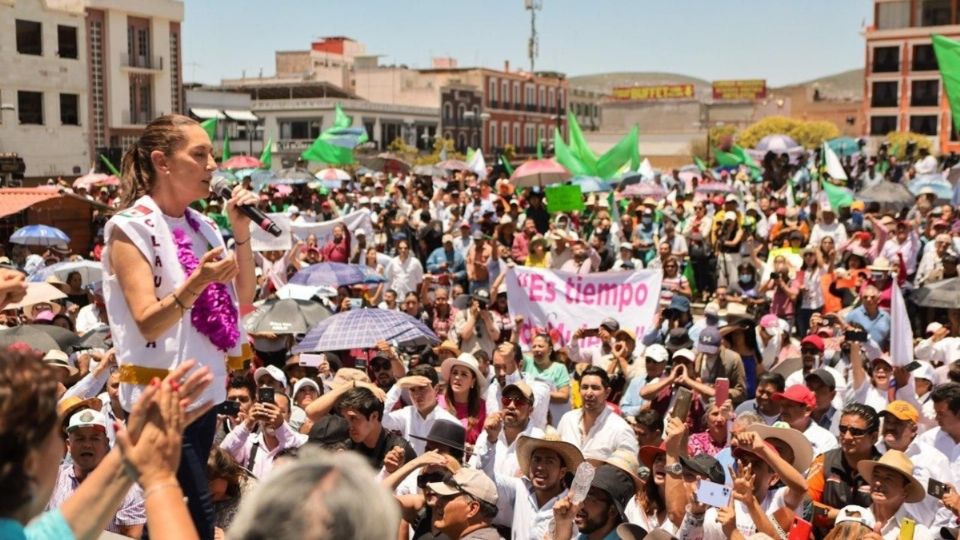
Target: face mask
646 220
746 280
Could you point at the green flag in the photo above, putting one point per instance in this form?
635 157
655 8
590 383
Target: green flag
113 170
539 149
330 154
341 120
470 153
836 195
691 278
565 156
506 165
725 159
700 164
225 155
210 126
744 157
578 144
266 157
948 58
624 151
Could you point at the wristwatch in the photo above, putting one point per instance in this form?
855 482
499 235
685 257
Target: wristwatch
675 469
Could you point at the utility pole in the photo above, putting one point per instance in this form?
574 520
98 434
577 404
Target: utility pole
533 45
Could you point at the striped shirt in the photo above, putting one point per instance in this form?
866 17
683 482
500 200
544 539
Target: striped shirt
132 510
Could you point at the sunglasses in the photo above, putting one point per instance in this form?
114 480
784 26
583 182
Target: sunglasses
517 401
853 431
379 366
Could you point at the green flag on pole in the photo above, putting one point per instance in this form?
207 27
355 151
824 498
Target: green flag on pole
691 278
836 195
539 149
947 52
506 165
341 120
565 156
210 126
266 157
470 153
113 170
700 164
626 150
328 153
578 143
225 155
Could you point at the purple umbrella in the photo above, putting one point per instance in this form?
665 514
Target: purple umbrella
714 187
334 275
645 189
363 329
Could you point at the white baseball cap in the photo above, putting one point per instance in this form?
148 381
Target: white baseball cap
656 352
925 371
856 514
87 418
273 372
933 327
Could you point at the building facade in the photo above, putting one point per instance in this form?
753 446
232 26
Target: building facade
902 86
44 101
235 119
462 115
585 105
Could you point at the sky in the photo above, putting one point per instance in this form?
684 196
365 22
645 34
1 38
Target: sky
782 41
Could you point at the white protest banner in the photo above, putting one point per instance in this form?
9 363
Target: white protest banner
261 240
564 301
323 230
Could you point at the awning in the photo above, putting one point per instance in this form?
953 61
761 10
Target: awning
205 114
13 200
241 116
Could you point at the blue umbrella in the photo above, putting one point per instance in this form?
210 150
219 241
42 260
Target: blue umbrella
592 184
90 271
334 275
844 146
40 235
363 329
934 183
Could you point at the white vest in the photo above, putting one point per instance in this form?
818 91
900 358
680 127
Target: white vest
138 359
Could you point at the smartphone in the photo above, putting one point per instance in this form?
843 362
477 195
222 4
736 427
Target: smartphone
721 388
681 407
800 530
311 359
361 364
912 366
936 488
906 528
229 408
265 394
859 336
713 494
356 303
591 332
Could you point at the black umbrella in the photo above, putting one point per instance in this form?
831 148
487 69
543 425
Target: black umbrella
889 195
285 316
30 335
98 338
939 294
632 178
66 339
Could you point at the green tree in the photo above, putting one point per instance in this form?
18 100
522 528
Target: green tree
434 157
698 148
721 134
807 134
898 140
509 152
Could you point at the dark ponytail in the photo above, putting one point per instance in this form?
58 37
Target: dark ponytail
137 173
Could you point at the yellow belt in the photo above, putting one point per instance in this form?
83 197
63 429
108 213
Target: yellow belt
142 375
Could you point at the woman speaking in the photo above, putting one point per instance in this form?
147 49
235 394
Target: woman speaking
171 289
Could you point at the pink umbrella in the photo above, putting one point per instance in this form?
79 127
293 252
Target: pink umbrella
87 181
242 162
645 189
283 189
453 165
539 172
332 174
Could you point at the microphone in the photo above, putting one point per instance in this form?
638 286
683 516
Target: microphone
221 186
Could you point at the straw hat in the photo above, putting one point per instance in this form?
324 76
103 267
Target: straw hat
448 346
627 462
802 449
468 361
569 453
880 264
899 462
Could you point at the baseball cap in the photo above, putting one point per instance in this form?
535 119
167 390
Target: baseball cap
856 514
521 387
704 465
797 393
925 371
656 352
473 482
684 353
610 324
329 430
273 372
825 377
933 327
87 418
903 411
616 483
814 341
709 340
730 216
446 238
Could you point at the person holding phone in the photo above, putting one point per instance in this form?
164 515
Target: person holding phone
264 433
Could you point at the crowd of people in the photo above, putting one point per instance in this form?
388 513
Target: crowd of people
765 401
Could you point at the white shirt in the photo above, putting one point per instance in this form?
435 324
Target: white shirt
891 529
404 276
239 444
712 530
867 394
88 318
835 230
409 422
505 464
821 439
927 463
608 434
938 439
941 352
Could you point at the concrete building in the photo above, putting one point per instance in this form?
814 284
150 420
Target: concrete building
902 87
585 105
235 119
462 115
44 101
134 70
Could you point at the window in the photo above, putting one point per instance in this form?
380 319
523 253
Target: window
493 135
893 15
493 90
516 136
886 59
551 99
506 134
70 109
923 58
543 98
925 93
933 13
530 139
29 38
531 96
460 111
516 93
30 107
881 125
926 124
884 94
560 103
300 129
447 112
66 41
505 93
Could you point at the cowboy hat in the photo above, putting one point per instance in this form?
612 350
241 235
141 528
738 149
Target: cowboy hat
798 443
880 264
468 361
448 346
898 462
569 454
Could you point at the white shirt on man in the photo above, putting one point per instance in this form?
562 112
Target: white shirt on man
609 433
927 463
821 439
409 422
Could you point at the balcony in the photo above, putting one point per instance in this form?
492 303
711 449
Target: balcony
141 63
293 145
136 118
494 104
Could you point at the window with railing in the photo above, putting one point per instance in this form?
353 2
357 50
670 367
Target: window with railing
933 12
925 93
924 124
306 128
886 59
881 125
923 58
883 94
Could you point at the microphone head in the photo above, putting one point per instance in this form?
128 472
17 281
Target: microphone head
221 185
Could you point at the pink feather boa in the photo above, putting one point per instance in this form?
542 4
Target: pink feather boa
213 314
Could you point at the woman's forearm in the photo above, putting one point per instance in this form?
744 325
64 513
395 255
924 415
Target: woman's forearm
167 514
246 278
